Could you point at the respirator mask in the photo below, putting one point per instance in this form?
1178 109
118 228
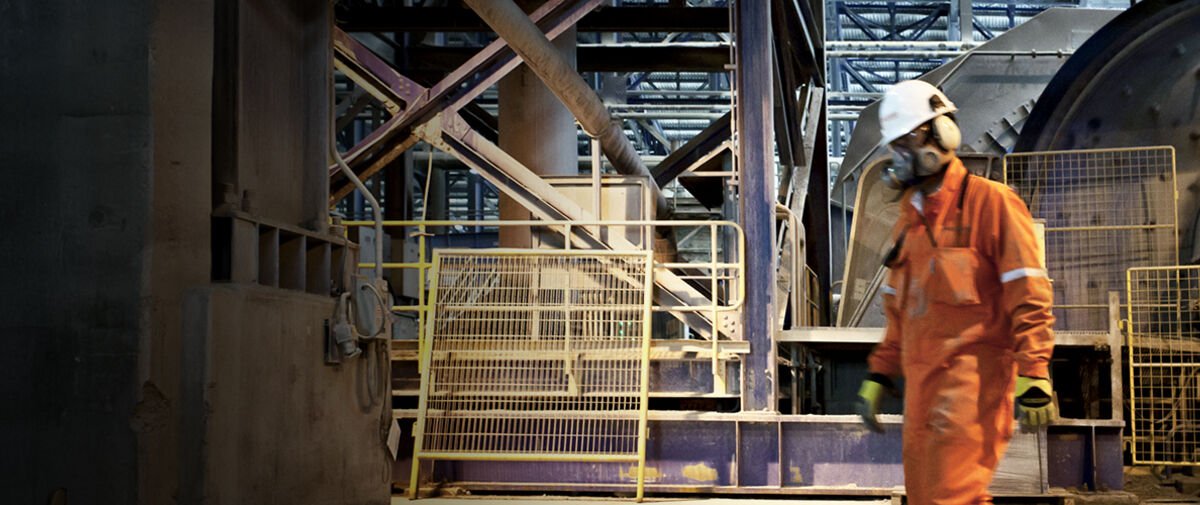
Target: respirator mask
910 164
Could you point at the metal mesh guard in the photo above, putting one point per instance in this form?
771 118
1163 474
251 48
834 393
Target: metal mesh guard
536 353
1164 336
1106 210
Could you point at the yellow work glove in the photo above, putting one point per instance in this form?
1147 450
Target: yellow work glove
1034 401
870 395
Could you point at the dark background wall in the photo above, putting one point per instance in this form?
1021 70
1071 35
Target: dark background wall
116 118
182 34
76 157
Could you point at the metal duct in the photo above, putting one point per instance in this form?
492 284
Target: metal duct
515 27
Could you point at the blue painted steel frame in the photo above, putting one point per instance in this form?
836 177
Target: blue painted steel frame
755 117
788 455
1085 457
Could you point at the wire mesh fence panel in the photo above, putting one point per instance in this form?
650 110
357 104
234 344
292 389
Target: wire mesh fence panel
536 355
1164 364
1106 210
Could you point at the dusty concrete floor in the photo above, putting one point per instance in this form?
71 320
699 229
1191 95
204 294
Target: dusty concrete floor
538 500
1139 481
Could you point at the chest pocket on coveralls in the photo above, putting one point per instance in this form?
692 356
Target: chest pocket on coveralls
952 276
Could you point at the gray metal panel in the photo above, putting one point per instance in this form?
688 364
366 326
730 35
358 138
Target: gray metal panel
1135 84
994 94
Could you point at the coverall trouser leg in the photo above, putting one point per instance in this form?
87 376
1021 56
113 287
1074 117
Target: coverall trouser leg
958 421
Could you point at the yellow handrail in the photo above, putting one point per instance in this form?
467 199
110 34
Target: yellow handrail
736 269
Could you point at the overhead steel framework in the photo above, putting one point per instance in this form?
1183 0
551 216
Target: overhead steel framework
874 44
660 68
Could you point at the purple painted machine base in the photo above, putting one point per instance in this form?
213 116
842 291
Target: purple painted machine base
772 454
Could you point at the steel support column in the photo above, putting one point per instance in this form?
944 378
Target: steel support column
965 30
756 195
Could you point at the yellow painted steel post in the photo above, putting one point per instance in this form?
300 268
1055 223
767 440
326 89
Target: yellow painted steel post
568 360
596 169
1175 202
424 314
645 389
1178 277
425 355
1132 378
718 377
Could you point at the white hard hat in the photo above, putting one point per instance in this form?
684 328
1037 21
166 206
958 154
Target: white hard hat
907 105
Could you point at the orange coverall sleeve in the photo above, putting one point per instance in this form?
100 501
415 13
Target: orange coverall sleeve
885 357
1026 295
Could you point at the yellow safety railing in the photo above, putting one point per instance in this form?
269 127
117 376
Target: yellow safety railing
1106 210
1164 364
536 355
812 303
731 274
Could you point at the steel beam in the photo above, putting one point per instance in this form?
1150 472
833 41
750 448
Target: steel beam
965 25
370 18
511 23
812 129
593 58
807 50
457 89
756 196
695 149
451 133
709 452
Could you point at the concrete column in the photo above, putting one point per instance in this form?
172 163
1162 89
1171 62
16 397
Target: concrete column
537 130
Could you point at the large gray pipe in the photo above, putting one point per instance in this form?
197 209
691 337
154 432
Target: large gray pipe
515 27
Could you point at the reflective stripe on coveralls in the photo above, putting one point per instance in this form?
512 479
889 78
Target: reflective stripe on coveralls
967 315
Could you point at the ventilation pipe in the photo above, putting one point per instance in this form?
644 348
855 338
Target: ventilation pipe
515 27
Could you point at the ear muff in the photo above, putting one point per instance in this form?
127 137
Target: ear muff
929 161
946 133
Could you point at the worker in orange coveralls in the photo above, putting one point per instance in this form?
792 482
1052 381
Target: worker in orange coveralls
968 308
